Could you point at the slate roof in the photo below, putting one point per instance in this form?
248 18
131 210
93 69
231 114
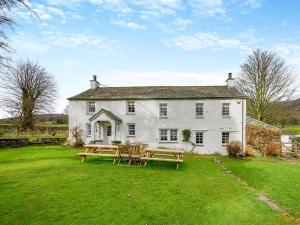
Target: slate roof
158 92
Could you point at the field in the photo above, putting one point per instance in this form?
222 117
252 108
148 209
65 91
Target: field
50 185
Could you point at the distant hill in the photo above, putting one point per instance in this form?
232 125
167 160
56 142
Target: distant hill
44 118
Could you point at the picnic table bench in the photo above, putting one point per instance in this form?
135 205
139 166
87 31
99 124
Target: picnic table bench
100 151
165 155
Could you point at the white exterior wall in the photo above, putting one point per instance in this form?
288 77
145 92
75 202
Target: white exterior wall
181 115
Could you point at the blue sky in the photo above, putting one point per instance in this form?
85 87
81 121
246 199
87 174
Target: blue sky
152 42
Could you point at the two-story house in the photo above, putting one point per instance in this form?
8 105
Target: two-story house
156 115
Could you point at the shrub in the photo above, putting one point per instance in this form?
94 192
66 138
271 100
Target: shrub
249 151
234 148
76 133
186 133
273 149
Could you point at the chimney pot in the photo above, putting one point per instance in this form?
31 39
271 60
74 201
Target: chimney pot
230 81
94 77
229 75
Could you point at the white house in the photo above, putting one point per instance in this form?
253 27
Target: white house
156 115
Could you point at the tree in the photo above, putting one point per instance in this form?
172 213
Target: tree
265 79
6 21
27 89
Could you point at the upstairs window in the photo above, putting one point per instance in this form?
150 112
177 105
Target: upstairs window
199 110
225 138
91 107
131 129
88 129
108 133
130 107
199 138
163 110
225 109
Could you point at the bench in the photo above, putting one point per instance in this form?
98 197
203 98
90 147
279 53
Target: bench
85 154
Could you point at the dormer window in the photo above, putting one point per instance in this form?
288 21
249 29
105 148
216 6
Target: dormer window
91 107
131 107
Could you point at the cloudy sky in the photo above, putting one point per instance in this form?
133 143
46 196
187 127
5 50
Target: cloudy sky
152 42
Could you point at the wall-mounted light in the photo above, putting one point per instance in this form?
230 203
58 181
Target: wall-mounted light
238 100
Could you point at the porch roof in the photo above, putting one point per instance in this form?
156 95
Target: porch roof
107 113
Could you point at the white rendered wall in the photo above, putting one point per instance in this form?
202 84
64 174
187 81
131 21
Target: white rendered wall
181 115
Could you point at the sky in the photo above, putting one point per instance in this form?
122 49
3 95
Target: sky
152 42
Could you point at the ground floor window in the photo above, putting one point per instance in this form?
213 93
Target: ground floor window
131 129
199 137
108 133
168 135
225 138
88 129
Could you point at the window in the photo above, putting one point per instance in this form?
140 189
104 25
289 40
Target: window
131 129
199 138
130 107
88 129
108 132
199 109
225 138
163 110
225 109
91 107
173 135
163 135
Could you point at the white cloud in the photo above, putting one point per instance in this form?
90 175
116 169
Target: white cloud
289 51
181 24
207 7
129 24
200 41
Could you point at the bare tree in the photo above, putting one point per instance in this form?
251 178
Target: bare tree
7 22
265 79
27 89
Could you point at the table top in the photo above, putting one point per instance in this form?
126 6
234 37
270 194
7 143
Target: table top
101 146
174 151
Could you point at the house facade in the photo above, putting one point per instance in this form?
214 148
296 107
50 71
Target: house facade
157 115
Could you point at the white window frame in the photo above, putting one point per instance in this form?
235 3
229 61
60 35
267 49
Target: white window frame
174 136
163 135
131 130
163 110
91 107
201 138
88 129
199 110
226 110
225 137
130 107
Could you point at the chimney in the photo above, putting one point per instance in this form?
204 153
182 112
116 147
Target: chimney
230 81
94 83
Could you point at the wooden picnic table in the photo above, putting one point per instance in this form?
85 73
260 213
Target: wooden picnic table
100 151
169 155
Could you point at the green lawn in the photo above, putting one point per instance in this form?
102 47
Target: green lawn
291 129
50 185
280 180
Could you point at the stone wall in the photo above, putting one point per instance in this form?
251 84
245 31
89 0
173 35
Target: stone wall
17 142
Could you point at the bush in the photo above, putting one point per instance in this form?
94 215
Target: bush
76 133
234 148
186 133
273 149
259 137
249 151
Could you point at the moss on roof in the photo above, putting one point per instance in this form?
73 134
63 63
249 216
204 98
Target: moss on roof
158 92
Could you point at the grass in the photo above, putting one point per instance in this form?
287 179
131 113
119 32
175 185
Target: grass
50 185
291 129
278 179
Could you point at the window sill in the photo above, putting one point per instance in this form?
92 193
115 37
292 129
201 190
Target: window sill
130 113
226 117
163 117
200 145
131 136
168 142
199 117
